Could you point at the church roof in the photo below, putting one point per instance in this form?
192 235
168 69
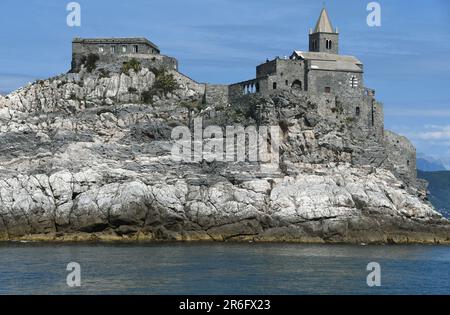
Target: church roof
324 24
326 61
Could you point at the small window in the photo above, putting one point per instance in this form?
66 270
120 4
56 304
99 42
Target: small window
113 49
287 83
327 89
124 48
135 49
274 85
407 162
100 49
354 82
358 111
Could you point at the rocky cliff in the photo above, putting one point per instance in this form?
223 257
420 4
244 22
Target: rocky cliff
84 157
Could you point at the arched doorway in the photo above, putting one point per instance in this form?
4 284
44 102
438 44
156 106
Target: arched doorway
297 85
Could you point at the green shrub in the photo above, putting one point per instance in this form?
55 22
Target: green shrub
147 96
132 64
90 62
192 104
164 82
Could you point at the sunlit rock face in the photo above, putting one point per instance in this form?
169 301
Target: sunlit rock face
85 157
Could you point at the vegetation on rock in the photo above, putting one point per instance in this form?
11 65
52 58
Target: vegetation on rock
90 62
133 64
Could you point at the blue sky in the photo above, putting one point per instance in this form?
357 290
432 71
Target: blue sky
407 59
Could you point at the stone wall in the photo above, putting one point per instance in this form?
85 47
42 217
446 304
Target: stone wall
114 63
321 39
193 88
337 81
146 52
288 73
237 90
216 94
401 155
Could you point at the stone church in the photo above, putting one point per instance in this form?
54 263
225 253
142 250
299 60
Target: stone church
320 70
334 81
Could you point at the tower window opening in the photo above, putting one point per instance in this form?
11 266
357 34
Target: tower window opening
274 85
135 49
327 89
358 111
124 48
113 49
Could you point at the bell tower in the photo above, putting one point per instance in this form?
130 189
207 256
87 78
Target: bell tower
324 38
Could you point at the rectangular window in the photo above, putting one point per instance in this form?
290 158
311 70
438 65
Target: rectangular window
124 48
113 49
327 89
135 49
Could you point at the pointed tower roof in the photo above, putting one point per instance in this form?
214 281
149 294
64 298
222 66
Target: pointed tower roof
324 24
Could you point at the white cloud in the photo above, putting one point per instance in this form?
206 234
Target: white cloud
442 133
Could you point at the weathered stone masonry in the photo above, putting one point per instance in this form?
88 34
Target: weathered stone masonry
337 80
340 79
118 50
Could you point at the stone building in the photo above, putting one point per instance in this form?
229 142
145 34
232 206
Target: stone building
334 81
113 50
319 70
338 80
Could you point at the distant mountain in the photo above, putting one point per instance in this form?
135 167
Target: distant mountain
439 187
429 164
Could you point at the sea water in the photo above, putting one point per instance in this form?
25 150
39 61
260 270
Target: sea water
223 268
